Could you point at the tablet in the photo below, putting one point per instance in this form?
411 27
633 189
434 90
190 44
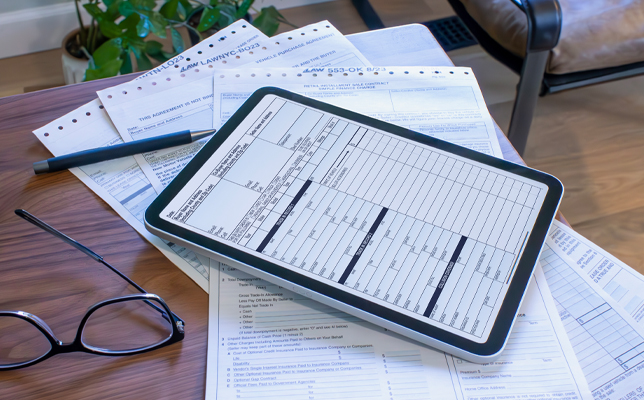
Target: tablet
428 239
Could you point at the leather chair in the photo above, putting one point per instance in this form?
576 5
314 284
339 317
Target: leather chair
554 45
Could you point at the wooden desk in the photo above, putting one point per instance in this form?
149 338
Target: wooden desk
41 275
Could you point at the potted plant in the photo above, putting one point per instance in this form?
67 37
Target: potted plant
117 38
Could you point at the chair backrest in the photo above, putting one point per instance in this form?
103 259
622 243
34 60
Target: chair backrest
545 22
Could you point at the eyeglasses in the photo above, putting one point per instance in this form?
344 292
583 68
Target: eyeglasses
125 325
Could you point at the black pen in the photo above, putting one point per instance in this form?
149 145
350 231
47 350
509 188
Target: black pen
119 150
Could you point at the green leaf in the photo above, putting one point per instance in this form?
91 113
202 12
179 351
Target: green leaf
163 56
243 8
155 50
143 5
268 20
159 24
112 12
152 47
169 8
111 68
93 10
143 27
186 6
136 45
177 40
130 22
130 25
181 12
208 19
126 9
143 63
109 28
107 52
227 17
156 23
127 68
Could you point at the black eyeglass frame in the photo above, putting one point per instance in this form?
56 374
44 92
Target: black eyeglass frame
57 346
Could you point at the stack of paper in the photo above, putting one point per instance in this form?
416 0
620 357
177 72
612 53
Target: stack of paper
292 347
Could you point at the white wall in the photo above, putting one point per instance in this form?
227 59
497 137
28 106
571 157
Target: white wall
15 5
28 26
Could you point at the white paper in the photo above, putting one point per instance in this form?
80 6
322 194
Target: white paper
442 102
608 343
120 183
347 204
618 280
213 330
405 45
184 100
238 36
269 343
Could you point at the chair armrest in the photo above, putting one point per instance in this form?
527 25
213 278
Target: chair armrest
544 24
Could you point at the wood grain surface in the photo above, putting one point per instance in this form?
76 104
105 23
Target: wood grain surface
592 139
42 275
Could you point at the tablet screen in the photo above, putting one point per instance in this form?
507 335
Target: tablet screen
413 228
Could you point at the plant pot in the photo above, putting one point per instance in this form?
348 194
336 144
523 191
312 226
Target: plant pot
73 67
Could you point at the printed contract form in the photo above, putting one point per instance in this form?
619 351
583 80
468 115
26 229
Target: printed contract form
267 343
608 343
442 102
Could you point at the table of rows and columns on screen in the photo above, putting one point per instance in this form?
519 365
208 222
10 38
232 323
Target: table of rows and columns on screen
361 208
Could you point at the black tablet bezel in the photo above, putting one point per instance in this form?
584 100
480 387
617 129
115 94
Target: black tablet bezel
518 284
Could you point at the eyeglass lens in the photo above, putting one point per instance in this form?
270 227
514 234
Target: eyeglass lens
20 341
126 325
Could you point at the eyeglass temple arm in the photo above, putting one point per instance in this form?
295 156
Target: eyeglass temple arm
140 289
48 228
